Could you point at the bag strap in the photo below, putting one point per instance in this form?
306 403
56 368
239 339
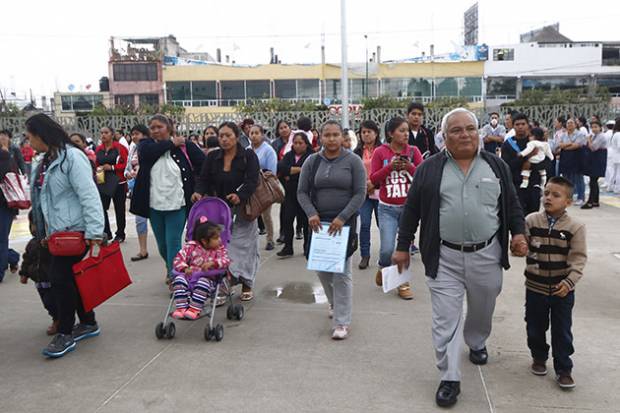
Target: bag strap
511 141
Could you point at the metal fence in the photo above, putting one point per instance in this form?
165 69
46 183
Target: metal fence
91 125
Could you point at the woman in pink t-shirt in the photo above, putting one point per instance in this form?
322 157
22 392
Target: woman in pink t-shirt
392 168
370 140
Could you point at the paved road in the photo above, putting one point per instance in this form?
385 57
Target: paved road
280 358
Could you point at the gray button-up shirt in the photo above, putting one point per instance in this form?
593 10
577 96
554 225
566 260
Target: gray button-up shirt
468 210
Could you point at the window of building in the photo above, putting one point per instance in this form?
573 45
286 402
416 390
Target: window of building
285 89
308 89
419 87
123 72
502 86
124 100
204 90
233 89
611 55
446 87
178 91
470 86
543 83
80 103
611 83
395 87
503 54
257 89
333 90
66 103
150 99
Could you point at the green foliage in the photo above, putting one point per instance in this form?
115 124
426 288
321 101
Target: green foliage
119 110
388 102
277 105
10 110
537 97
383 102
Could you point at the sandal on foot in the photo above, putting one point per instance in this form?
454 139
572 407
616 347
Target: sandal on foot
140 257
246 296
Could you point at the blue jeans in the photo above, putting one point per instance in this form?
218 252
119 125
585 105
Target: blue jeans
389 216
366 210
168 230
539 309
6 221
580 185
142 227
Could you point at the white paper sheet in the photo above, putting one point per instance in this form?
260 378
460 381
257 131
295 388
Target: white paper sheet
328 252
392 279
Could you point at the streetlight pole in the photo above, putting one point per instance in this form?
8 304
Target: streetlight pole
366 81
344 70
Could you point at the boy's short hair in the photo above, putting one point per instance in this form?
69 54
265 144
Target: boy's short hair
561 181
415 105
538 133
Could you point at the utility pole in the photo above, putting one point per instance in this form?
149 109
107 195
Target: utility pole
366 81
344 70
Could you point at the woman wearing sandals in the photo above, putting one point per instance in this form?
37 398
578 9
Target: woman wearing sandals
231 174
365 149
332 188
138 133
393 166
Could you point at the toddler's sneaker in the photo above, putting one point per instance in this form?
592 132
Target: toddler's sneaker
192 313
179 313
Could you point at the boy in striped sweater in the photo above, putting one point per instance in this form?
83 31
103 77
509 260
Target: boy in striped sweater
556 258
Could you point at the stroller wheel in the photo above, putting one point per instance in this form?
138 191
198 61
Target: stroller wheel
160 332
208 333
171 330
239 312
231 312
219 332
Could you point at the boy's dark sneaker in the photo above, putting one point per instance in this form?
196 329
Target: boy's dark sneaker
82 331
538 368
60 345
565 381
299 235
285 253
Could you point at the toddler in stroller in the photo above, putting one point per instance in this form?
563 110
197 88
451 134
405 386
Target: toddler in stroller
200 269
192 286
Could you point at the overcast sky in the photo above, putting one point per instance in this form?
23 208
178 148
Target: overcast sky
48 45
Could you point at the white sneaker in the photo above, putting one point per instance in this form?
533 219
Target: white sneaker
340 333
578 203
331 312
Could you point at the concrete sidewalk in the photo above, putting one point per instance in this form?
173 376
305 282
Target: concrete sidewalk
280 358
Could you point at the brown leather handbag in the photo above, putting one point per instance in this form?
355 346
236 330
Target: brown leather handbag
268 191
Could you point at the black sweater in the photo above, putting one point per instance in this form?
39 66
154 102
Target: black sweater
284 171
35 261
242 178
423 205
149 152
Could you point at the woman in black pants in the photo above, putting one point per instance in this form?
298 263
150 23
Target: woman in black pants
289 169
64 198
596 165
112 160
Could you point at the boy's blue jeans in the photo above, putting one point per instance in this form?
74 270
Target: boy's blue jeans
539 310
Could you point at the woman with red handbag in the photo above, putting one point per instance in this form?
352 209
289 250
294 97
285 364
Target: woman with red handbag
68 214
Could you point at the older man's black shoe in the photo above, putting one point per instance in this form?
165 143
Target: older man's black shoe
479 357
447 393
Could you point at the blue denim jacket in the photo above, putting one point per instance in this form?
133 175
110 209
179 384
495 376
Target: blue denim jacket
69 198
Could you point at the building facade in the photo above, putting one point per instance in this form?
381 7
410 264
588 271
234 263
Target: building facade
216 86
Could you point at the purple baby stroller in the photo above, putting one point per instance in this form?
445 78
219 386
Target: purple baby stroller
218 212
